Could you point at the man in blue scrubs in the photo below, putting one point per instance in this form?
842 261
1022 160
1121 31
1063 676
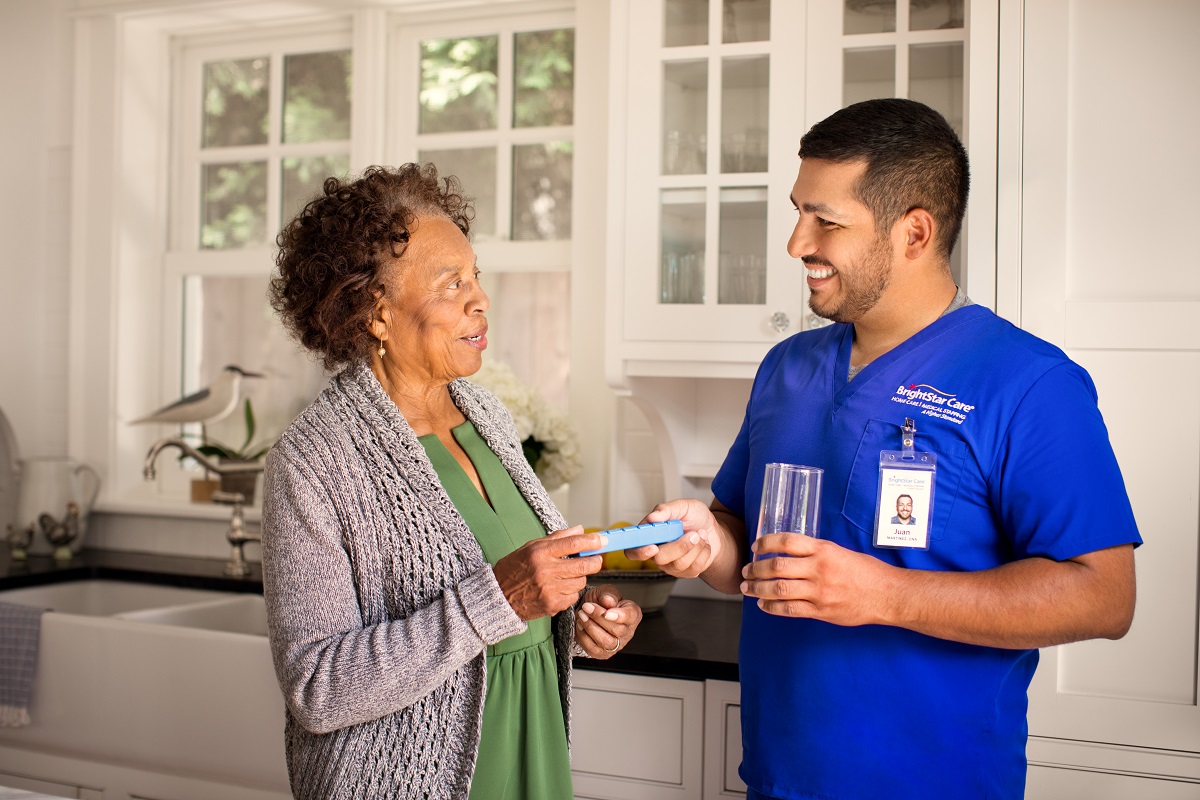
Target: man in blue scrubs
888 660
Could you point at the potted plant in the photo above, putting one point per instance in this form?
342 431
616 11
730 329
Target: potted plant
248 453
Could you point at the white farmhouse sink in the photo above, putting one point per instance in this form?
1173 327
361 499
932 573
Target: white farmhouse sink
105 598
172 680
245 614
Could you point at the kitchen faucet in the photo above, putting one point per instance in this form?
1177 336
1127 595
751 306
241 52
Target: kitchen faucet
237 535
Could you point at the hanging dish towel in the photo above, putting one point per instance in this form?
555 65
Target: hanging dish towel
20 629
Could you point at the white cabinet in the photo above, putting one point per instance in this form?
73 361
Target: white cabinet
1111 720
704 160
709 102
634 737
722 740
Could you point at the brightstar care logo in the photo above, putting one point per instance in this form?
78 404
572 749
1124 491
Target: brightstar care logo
933 402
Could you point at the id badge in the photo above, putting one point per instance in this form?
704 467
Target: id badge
904 503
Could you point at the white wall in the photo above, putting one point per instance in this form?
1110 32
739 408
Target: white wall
35 66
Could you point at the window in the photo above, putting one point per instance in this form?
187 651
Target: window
193 155
261 125
493 105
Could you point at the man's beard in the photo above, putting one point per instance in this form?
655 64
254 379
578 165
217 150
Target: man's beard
860 293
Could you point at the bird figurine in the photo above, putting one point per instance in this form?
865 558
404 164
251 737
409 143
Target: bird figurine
19 540
61 534
207 405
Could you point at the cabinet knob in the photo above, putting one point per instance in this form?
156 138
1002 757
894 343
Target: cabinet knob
812 322
780 322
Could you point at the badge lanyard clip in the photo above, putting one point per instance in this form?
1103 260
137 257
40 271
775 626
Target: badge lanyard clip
904 501
908 435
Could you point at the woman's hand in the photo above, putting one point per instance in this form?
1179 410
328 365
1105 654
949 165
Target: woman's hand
539 580
605 621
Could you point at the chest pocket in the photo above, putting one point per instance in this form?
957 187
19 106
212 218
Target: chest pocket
863 488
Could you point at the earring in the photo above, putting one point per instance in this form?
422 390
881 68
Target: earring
382 352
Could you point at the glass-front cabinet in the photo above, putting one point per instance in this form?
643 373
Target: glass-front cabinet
714 105
717 94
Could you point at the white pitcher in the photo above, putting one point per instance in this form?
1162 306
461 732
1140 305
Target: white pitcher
48 485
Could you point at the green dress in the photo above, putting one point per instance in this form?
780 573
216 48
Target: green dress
523 745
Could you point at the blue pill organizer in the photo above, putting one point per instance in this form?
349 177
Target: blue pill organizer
639 536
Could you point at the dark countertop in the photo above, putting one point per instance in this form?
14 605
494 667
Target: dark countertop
690 638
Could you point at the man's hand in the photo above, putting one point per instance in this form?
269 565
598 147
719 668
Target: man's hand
814 578
690 554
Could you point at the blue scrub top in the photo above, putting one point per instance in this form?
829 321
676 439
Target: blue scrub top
1024 468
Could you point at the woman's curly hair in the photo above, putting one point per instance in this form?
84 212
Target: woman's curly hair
333 255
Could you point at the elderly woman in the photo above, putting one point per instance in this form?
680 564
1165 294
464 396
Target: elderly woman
422 620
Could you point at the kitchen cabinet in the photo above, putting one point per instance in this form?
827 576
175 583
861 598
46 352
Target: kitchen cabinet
636 737
705 132
710 100
1116 719
722 740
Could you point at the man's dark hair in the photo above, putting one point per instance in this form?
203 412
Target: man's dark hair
914 160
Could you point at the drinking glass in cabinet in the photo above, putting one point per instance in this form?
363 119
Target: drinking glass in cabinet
743 279
682 279
684 117
745 82
741 267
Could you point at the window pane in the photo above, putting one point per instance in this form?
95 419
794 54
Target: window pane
302 180
935 14
235 102
869 16
227 320
868 74
234 204
529 328
316 97
541 195
685 117
458 84
746 21
935 74
475 169
685 22
544 76
744 92
681 277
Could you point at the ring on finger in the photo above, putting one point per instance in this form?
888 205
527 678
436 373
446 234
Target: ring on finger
616 648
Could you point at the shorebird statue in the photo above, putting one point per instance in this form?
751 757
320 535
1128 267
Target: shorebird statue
207 405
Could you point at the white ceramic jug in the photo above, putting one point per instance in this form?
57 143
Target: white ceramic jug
48 486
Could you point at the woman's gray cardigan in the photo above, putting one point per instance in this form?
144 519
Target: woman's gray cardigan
379 600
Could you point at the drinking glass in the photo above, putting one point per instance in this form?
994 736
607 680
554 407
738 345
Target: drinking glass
791 500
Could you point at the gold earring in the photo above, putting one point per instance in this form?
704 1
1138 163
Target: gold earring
382 352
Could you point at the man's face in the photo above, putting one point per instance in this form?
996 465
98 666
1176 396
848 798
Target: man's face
904 507
849 264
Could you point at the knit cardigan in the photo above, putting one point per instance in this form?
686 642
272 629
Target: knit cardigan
379 601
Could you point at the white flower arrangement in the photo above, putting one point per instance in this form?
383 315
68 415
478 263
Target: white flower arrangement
550 442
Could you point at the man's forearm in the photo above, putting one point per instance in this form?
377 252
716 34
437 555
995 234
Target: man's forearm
1035 602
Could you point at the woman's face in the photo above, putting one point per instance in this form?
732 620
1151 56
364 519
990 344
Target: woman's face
435 307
